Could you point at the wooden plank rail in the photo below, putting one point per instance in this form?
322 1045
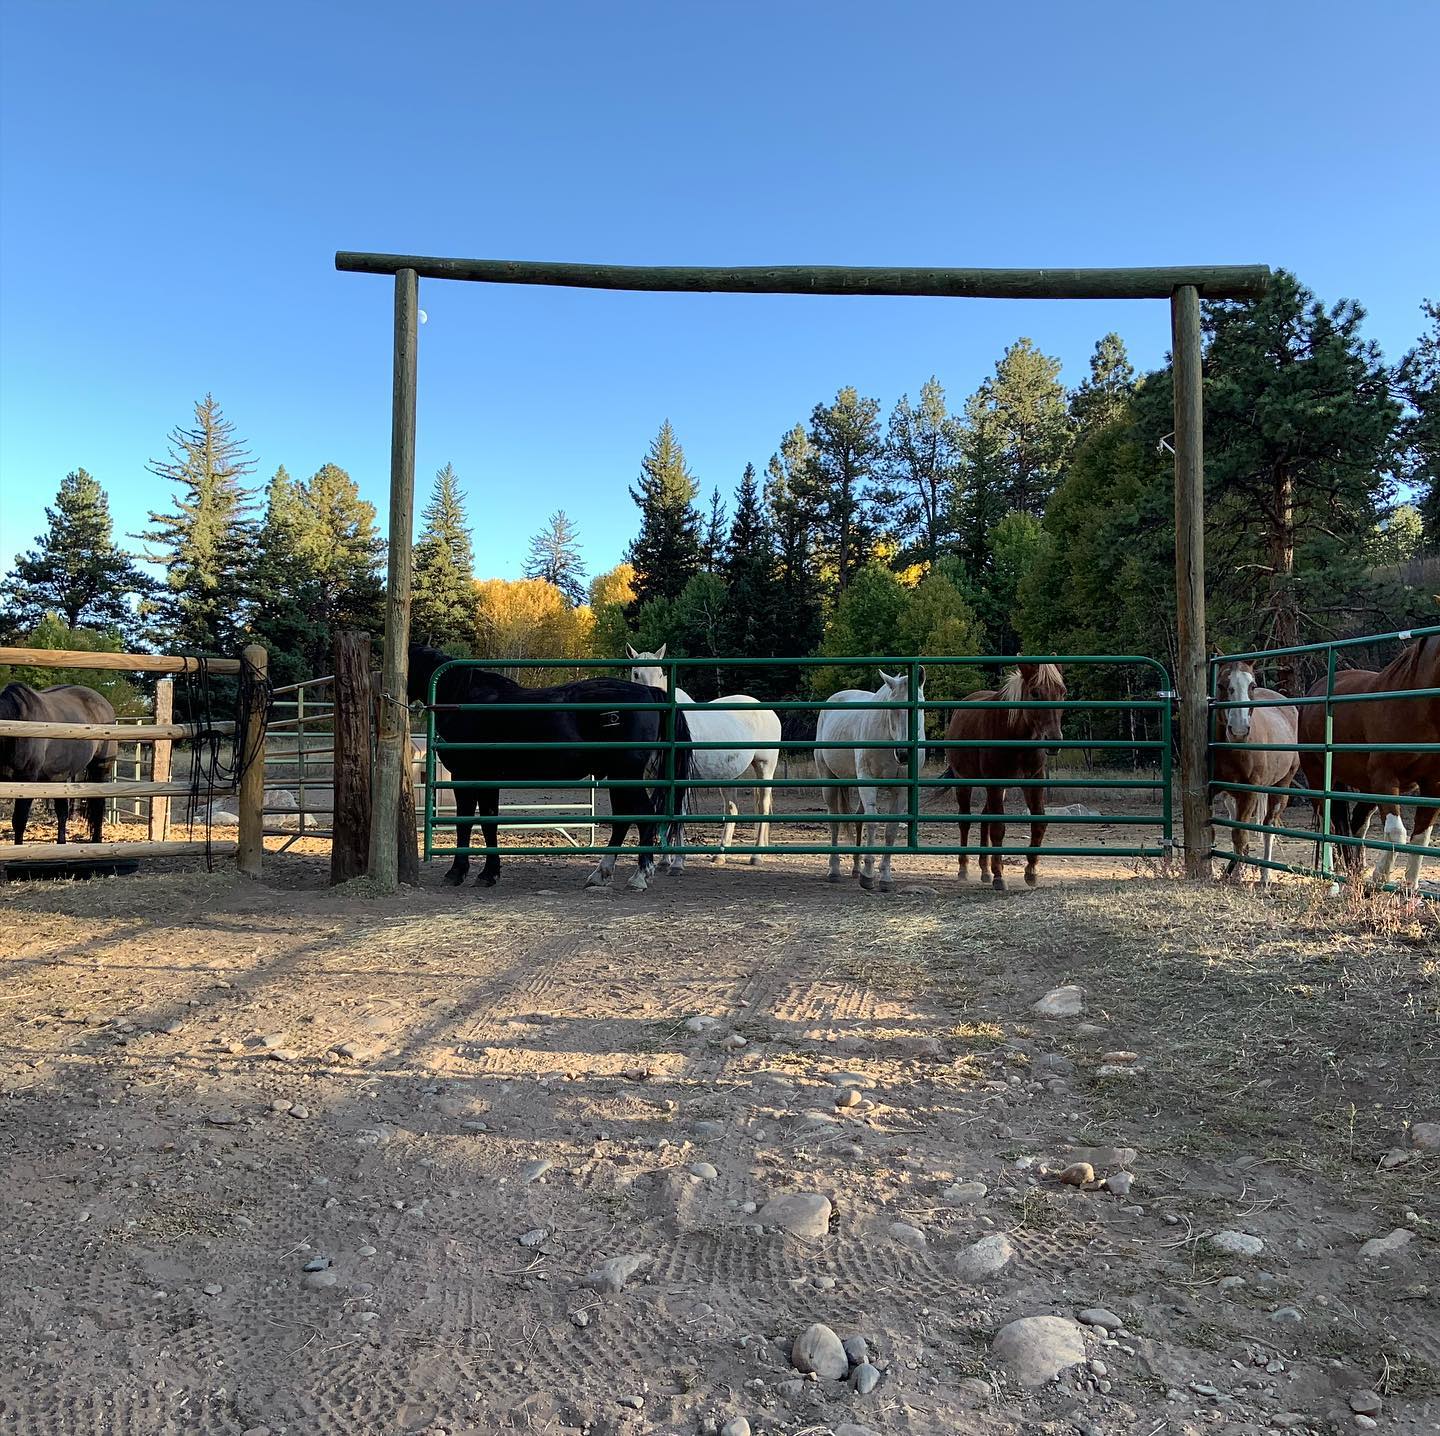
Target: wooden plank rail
121 662
1216 281
131 732
120 788
71 852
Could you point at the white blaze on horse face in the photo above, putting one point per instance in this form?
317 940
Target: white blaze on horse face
1237 720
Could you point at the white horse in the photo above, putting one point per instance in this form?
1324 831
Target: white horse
745 728
837 728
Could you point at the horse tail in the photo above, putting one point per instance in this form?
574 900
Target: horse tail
683 757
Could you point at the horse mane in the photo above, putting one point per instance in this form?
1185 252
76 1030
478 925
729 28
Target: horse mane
17 697
1403 671
1047 686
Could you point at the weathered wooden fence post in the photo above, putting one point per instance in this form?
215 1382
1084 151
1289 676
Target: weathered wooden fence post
251 760
161 760
391 771
406 836
1190 576
354 703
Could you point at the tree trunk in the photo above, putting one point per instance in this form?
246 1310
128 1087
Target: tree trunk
1284 604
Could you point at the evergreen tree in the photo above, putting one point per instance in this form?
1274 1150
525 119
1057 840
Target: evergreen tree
284 591
75 570
712 547
1418 379
442 613
754 615
555 557
205 542
922 466
344 553
666 552
799 613
1101 398
1031 425
982 486
845 452
1300 454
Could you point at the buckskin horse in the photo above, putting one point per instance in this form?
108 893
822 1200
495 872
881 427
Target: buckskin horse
555 721
1376 721
1236 683
1025 766
56 760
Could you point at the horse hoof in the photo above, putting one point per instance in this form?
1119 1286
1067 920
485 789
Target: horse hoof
637 884
487 880
887 887
718 860
1031 878
675 872
867 882
755 861
998 884
598 880
453 879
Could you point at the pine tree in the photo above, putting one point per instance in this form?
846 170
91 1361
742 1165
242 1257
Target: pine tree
555 557
982 486
712 547
1102 397
205 544
799 614
921 469
845 451
755 603
442 613
1418 379
1031 425
75 570
285 595
666 552
344 555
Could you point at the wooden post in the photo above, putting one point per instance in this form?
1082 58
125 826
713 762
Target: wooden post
390 766
251 846
350 842
161 759
408 869
1190 576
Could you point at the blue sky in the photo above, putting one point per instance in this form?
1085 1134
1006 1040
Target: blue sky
174 181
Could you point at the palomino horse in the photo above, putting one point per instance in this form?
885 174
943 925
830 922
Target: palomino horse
745 728
554 721
1380 720
1270 769
837 729
56 760
1030 682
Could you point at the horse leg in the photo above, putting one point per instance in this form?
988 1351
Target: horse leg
962 806
892 798
19 818
1394 833
1035 800
673 863
868 803
464 811
644 858
835 804
727 830
62 816
1424 819
102 770
1273 808
489 804
1245 806
994 836
764 805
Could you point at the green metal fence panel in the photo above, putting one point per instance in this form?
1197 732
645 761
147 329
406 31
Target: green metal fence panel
919 787
1326 795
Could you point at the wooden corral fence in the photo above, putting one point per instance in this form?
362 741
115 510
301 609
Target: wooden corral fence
162 733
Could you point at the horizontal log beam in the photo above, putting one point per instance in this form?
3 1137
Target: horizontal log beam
122 788
130 732
71 852
122 662
1219 281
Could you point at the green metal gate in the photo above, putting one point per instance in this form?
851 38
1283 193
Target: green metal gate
1326 793
1151 712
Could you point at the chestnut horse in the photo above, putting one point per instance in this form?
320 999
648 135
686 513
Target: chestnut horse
1036 682
1380 720
1269 769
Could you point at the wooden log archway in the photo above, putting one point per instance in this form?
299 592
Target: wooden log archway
1183 286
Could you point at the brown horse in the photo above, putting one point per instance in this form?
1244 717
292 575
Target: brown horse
1035 682
51 760
1236 684
1380 720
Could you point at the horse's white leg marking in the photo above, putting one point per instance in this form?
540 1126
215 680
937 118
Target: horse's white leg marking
834 800
637 883
892 799
1394 833
727 832
1268 852
764 800
868 802
1414 860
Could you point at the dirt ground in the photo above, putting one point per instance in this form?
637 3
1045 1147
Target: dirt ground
207 1083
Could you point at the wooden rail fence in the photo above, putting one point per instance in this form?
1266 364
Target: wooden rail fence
248 846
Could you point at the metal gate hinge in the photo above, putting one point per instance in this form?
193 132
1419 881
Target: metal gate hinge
1167 693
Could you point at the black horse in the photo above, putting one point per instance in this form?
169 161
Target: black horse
557 723
56 760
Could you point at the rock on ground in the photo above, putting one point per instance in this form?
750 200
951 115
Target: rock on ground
807 1214
1426 1136
1396 1242
1060 1002
986 1258
818 1349
611 1276
1036 1349
1236 1243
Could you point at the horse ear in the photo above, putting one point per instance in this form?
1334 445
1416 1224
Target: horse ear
890 680
629 648
1028 671
920 676
660 652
